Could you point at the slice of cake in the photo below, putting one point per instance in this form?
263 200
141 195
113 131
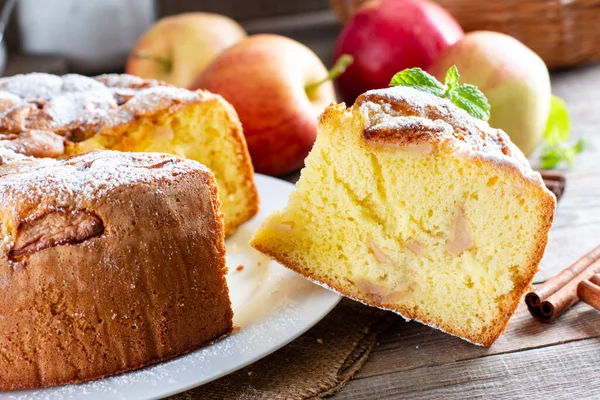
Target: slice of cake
51 116
409 204
108 262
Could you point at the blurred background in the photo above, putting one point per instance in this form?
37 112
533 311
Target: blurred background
219 50
95 36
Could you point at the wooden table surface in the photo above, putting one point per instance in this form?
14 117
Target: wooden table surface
532 360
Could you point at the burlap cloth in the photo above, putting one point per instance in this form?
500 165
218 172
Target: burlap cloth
315 365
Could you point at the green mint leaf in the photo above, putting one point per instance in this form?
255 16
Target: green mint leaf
420 80
551 157
470 99
579 146
558 126
571 152
558 129
549 162
568 157
467 97
451 80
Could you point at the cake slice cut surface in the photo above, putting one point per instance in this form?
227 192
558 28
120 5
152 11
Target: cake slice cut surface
409 204
198 125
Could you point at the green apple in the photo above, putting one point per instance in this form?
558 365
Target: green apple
176 49
514 79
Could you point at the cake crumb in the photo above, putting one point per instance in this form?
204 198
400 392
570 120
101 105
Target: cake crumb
263 260
249 373
239 268
320 341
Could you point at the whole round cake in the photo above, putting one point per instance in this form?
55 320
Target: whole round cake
108 262
112 261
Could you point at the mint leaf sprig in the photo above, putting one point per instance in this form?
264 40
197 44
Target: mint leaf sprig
558 129
465 96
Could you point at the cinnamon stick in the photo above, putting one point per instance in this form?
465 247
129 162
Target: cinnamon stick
553 175
555 181
589 291
549 300
595 279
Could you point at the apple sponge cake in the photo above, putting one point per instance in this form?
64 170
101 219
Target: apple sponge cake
408 203
109 262
51 116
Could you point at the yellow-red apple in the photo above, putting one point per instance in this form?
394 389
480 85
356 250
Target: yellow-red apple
176 49
270 80
387 36
514 79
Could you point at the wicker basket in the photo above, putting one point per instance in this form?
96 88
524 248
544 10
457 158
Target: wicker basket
564 33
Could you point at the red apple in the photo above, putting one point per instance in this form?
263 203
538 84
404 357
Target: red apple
387 36
514 79
178 48
265 78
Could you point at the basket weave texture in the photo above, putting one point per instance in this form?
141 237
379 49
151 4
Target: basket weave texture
563 32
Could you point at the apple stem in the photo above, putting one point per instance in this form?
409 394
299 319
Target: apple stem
164 62
340 66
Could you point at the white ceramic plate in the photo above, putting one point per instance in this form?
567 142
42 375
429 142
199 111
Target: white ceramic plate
272 307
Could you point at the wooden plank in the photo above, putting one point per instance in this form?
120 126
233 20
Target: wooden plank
410 345
567 371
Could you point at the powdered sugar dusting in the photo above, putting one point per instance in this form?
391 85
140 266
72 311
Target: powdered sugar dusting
87 177
74 102
403 109
69 107
9 100
127 81
152 99
35 86
8 156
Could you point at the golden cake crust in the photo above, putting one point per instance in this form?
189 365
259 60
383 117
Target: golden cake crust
401 116
45 115
101 275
